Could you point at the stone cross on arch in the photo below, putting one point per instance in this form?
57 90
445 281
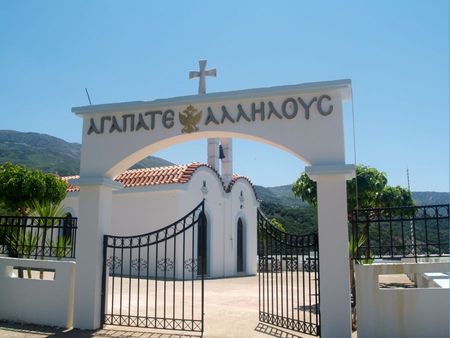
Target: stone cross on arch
202 74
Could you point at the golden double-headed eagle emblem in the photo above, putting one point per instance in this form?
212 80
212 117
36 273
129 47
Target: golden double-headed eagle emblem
189 118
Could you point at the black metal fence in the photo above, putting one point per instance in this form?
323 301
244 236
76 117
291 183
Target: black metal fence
288 278
38 237
394 233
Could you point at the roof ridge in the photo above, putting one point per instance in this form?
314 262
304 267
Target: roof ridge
174 174
237 177
154 168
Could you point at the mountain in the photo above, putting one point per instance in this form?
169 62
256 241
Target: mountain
51 154
430 197
282 195
151 162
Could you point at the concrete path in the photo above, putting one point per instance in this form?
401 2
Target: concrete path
231 310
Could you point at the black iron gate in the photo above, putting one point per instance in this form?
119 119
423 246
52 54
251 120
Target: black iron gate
288 278
156 280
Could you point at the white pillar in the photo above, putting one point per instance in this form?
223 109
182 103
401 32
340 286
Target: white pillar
94 219
227 162
335 308
213 153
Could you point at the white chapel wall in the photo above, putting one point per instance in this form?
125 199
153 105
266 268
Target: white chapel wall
70 203
244 207
139 211
215 199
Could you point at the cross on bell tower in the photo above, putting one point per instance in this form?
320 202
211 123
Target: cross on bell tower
214 156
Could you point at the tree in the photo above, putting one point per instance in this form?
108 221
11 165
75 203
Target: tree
297 220
21 187
373 191
264 237
277 224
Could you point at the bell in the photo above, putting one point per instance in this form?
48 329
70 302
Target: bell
221 153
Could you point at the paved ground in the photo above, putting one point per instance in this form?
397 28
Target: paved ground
395 281
231 310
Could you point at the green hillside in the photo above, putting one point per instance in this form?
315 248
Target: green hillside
51 154
283 195
38 151
298 217
430 197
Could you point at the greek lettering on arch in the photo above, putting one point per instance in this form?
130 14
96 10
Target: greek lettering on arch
293 105
273 111
168 119
125 118
306 106
141 123
320 108
153 117
226 115
210 117
102 123
241 113
259 111
114 125
92 127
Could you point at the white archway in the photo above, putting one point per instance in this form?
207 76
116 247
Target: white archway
305 120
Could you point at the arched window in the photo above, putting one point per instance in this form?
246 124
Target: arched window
67 226
240 246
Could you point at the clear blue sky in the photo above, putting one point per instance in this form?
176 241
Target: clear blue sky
395 52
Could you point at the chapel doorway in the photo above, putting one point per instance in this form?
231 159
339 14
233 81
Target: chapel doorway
240 246
202 245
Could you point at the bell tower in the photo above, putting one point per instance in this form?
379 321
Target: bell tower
215 151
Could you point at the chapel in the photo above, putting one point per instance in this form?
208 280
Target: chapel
152 198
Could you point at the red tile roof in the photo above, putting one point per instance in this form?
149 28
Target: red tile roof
151 176
71 187
160 175
235 178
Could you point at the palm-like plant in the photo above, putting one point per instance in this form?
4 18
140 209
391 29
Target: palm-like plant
61 247
48 211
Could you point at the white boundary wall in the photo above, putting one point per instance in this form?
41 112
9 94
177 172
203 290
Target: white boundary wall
398 312
44 302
